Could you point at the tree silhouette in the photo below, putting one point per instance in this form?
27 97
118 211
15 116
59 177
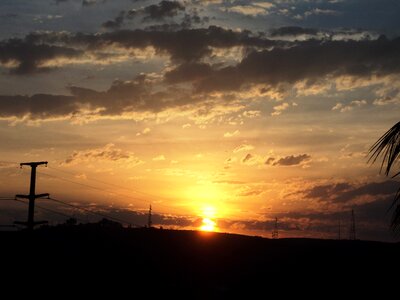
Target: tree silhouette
388 147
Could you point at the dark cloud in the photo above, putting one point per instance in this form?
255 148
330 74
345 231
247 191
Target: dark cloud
192 19
107 153
345 14
92 2
269 160
371 189
372 220
188 72
189 20
157 12
85 3
345 192
123 96
124 214
292 160
162 10
271 65
39 106
323 191
116 23
296 33
132 96
292 31
29 56
141 218
308 60
158 219
183 45
247 158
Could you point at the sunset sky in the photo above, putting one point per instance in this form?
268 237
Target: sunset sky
232 111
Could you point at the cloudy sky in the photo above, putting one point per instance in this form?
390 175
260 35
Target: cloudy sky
237 111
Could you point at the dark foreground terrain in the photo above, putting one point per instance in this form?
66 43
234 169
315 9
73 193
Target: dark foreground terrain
191 264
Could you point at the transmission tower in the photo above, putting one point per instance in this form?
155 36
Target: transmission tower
32 196
149 221
352 231
275 233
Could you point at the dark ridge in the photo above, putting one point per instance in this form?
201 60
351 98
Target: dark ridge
187 263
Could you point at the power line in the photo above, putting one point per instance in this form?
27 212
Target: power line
127 189
105 182
93 212
49 210
115 193
111 192
184 211
75 206
8 162
100 189
74 182
93 187
7 214
32 196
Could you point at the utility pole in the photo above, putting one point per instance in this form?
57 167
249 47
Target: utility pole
149 221
339 231
275 233
32 196
352 232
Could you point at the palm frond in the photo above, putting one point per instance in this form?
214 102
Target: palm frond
395 222
388 146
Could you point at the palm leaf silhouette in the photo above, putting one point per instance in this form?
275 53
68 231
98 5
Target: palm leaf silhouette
388 147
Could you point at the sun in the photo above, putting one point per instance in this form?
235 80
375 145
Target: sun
208 224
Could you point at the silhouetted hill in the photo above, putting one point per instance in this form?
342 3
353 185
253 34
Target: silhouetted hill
190 263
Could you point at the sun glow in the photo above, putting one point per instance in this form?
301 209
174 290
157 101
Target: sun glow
208 224
208 200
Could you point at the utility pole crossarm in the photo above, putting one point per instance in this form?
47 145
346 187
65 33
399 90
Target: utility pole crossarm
36 163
